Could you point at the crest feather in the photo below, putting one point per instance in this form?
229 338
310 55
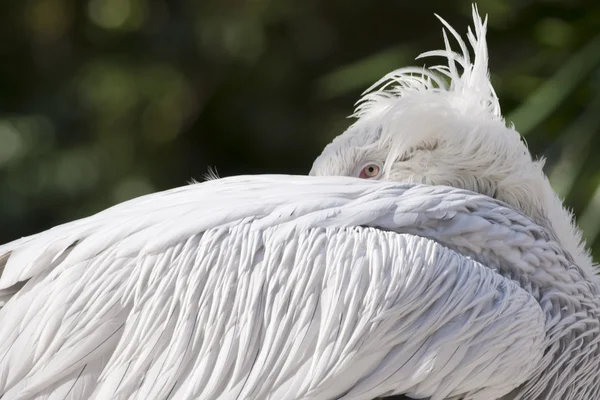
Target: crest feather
468 79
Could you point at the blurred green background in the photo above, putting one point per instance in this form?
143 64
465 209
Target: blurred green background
105 100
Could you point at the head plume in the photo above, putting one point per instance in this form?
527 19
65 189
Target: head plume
465 80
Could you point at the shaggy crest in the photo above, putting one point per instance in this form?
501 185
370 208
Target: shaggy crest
472 87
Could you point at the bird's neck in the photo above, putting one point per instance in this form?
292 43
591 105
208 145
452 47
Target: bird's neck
562 222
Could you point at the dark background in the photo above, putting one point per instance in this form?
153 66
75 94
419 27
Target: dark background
105 100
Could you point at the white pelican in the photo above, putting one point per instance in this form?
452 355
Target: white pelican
452 272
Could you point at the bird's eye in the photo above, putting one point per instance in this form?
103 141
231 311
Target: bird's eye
370 171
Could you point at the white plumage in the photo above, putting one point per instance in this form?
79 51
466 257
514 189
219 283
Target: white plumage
301 293
282 287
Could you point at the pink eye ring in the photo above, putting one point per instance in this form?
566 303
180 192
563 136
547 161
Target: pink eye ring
370 171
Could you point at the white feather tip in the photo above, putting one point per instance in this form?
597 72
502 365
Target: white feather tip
464 77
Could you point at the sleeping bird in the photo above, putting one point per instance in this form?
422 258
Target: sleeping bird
426 256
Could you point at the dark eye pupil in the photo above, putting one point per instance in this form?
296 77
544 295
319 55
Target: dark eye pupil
371 169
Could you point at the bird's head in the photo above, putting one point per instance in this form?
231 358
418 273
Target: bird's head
443 126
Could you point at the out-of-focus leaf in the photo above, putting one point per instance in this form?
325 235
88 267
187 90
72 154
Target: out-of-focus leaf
551 94
589 221
576 147
361 74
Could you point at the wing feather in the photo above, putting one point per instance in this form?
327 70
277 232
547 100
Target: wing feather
277 287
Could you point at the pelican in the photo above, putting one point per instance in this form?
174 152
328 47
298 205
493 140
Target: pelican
426 255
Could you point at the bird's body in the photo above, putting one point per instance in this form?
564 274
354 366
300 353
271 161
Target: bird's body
281 287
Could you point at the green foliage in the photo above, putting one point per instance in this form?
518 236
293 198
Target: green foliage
104 100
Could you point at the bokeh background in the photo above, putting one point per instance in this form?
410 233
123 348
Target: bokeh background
105 100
